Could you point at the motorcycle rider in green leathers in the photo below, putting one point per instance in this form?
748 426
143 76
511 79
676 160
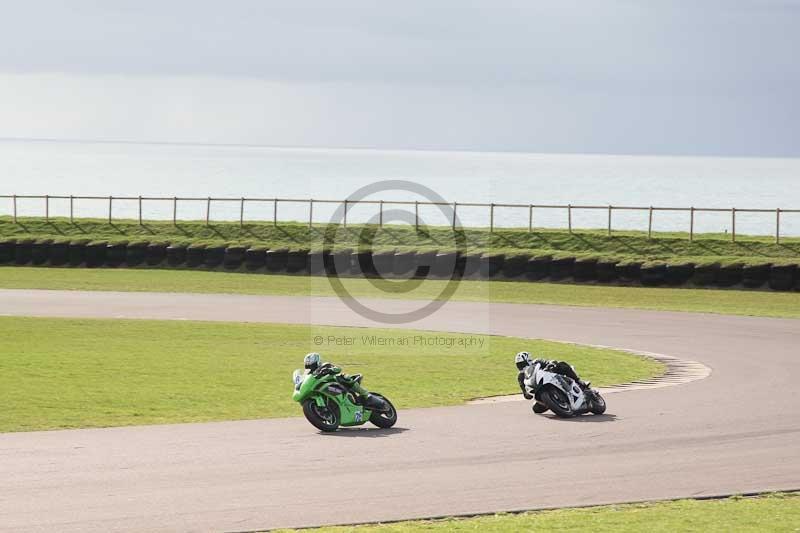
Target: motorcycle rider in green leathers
313 363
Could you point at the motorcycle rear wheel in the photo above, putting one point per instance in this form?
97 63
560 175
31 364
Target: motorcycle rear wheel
557 401
323 418
384 419
598 404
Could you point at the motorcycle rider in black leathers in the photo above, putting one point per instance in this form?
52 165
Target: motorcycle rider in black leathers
523 360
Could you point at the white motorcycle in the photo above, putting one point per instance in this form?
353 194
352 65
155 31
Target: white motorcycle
561 394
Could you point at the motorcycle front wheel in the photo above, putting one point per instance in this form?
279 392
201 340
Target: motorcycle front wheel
323 418
557 401
598 404
384 419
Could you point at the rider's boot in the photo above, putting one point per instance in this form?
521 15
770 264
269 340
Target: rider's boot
370 401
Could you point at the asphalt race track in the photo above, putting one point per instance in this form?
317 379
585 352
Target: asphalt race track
737 431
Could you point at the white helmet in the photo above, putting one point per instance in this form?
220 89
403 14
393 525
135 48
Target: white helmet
522 360
311 361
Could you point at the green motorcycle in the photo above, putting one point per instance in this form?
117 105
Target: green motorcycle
328 404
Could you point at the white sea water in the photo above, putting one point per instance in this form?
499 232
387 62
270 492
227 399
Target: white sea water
124 169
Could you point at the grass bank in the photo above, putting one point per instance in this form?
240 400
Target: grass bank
622 245
65 373
753 303
774 513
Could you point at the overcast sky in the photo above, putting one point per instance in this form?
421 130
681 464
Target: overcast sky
709 78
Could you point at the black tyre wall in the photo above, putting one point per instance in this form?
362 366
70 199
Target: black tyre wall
96 254
585 270
404 263
755 276
234 257
40 252
782 277
679 274
444 265
176 255
214 256
538 267
59 253
195 256
384 263
562 268
116 254
155 254
491 265
297 262
23 252
606 271
277 260
653 275
423 264
705 275
730 275
77 253
255 259
136 254
515 266
7 251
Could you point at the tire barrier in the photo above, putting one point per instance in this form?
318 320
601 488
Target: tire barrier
491 265
214 256
40 252
562 268
585 269
116 254
155 254
59 253
705 275
277 260
297 262
653 275
23 251
515 266
679 274
176 255
444 265
7 251
404 263
384 263
606 271
755 276
77 253
316 262
432 264
538 267
782 277
233 257
136 253
423 263
469 265
730 275
96 254
195 256
629 271
255 259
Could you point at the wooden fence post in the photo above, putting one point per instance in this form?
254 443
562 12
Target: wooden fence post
310 212
416 214
208 210
609 220
110 207
650 223
530 218
14 203
455 206
380 214
733 224
274 211
569 217
241 213
140 209
778 225
491 218
174 210
70 208
691 223
46 207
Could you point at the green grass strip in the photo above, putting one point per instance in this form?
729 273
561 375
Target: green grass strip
770 513
734 302
66 373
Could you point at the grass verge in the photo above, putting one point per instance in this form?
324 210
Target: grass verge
66 373
622 245
753 303
773 512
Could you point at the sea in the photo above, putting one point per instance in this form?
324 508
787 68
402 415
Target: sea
37 167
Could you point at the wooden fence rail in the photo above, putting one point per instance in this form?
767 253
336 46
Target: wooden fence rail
347 204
